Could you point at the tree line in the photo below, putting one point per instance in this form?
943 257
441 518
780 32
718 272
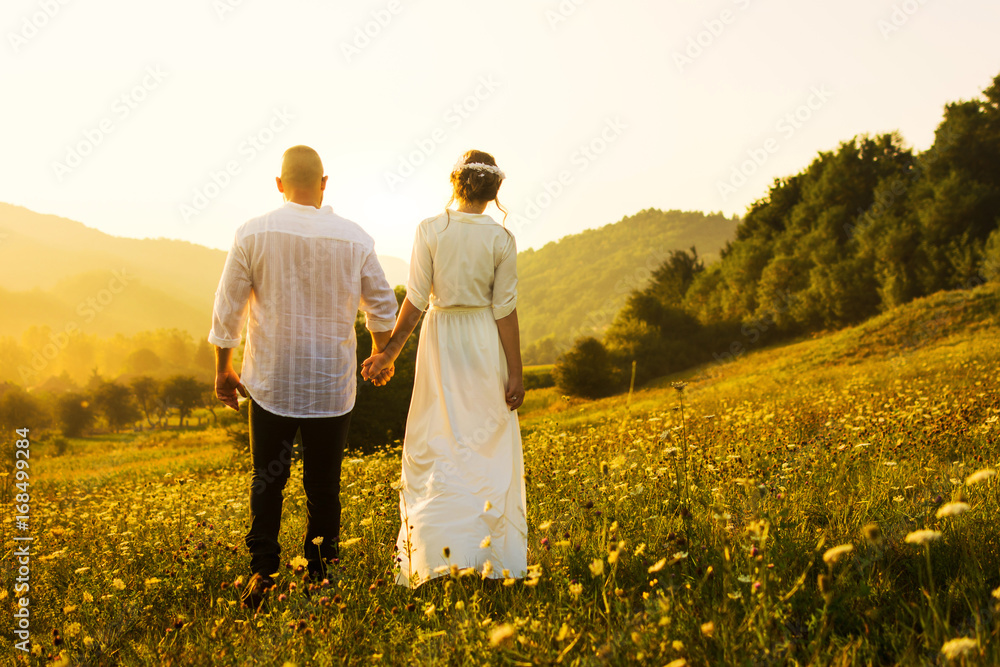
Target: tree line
110 405
864 228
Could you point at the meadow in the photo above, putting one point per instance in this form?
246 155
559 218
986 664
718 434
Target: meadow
828 502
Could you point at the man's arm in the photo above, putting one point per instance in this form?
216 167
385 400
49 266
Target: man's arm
379 340
229 317
378 302
227 382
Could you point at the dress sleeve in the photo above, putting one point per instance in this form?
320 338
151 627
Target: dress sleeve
378 301
418 285
505 281
232 299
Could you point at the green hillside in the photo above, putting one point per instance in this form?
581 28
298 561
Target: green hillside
576 286
910 340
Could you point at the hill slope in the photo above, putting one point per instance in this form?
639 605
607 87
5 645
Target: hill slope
52 265
577 285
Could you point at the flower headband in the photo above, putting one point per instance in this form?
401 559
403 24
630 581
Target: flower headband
478 166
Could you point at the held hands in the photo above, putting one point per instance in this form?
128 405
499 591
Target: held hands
378 368
227 384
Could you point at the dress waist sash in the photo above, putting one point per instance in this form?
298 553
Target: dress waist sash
458 309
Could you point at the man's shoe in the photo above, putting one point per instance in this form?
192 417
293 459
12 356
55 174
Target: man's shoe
256 591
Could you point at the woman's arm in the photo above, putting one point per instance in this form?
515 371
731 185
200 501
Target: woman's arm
510 338
409 315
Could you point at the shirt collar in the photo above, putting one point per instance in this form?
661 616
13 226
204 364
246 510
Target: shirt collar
307 209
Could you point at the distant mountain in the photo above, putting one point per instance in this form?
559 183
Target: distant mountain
55 272
575 286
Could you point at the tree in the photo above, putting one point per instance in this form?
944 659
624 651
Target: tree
116 403
183 393
74 413
147 395
19 409
143 361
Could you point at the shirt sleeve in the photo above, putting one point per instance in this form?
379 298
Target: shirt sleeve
418 285
232 299
378 300
505 281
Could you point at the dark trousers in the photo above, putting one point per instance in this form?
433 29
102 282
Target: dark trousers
271 444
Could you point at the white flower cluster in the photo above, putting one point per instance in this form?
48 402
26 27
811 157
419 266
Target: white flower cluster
478 166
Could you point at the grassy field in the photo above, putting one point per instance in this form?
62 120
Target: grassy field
816 503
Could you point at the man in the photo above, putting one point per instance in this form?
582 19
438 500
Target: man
300 274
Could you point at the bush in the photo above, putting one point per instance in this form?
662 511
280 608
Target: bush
588 370
539 378
59 445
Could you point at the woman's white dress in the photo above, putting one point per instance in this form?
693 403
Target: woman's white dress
463 473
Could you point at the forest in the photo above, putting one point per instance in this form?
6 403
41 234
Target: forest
864 228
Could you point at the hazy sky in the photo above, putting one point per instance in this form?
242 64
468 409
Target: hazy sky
153 119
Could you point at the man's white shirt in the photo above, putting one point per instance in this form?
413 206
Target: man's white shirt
300 274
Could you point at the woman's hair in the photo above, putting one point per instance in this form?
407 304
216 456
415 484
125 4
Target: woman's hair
476 178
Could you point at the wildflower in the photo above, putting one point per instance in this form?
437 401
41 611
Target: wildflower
996 593
350 542
980 476
873 533
639 550
833 556
956 648
430 610
564 632
72 630
488 506
485 544
952 509
318 541
298 562
119 584
575 590
612 558
80 570
597 567
823 582
501 634
923 536
460 606
678 557
679 662
657 566
708 629
487 569
679 386
545 526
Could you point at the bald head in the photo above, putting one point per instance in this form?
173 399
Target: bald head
301 168
302 180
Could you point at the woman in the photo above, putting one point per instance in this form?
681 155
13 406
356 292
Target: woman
462 499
